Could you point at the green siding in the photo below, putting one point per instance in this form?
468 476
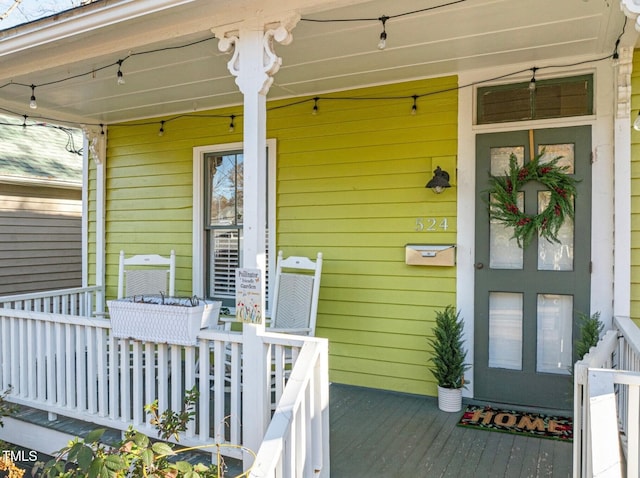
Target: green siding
350 183
149 191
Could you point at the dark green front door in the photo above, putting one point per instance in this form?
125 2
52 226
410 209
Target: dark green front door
527 300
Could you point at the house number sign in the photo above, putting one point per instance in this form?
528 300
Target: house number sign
431 224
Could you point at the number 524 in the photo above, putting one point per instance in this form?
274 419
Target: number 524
431 224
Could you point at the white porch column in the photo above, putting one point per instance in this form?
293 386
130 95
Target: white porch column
622 188
253 63
96 138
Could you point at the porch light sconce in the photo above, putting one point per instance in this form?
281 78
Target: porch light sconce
439 182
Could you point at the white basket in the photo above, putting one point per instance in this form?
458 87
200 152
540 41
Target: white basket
172 324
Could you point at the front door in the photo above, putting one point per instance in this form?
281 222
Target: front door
527 299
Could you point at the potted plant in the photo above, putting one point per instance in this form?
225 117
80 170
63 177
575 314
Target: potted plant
448 360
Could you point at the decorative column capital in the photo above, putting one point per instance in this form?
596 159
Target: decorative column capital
253 59
631 9
97 139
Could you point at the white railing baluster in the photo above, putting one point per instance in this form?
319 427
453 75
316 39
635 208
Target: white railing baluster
32 364
163 377
176 378
204 365
138 383
102 366
70 378
235 410
190 381
149 373
41 362
61 378
81 368
22 339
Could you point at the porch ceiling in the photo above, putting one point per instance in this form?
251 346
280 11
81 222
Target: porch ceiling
323 57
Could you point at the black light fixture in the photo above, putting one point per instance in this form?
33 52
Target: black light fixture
439 182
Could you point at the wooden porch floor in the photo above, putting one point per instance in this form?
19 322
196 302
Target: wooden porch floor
377 433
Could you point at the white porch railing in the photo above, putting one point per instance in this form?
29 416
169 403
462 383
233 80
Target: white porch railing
607 384
55 357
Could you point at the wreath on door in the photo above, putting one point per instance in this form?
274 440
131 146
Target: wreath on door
503 199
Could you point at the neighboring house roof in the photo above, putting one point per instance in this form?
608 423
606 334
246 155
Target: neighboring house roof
40 153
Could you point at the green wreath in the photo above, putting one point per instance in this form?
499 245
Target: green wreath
503 199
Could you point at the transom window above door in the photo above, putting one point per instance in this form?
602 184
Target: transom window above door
553 98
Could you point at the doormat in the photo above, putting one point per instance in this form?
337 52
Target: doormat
520 423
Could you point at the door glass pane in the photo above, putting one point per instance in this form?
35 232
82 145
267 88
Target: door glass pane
504 252
500 159
555 314
505 330
566 151
554 256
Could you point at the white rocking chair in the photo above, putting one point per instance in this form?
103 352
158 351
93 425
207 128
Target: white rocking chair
146 274
295 295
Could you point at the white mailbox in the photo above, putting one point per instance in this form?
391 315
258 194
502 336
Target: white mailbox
430 254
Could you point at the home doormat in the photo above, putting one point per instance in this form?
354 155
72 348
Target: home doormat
520 423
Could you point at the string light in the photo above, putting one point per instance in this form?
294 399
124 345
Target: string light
24 122
315 106
414 108
636 123
32 101
232 126
120 75
161 132
532 83
382 44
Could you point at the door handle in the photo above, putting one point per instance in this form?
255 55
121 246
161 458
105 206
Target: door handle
478 265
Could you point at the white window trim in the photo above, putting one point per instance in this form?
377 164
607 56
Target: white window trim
198 250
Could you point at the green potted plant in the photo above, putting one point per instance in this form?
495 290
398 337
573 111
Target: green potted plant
448 360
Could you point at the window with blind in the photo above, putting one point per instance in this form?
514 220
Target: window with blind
223 224
554 98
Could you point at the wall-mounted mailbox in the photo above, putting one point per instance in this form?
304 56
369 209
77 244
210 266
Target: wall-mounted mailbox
430 254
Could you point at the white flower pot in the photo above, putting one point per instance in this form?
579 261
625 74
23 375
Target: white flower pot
449 399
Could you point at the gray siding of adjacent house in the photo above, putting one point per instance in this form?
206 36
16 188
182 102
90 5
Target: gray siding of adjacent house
40 238
40 206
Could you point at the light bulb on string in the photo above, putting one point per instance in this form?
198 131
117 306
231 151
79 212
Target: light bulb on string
532 83
161 131
382 44
315 106
232 125
636 123
32 102
24 122
120 75
414 108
